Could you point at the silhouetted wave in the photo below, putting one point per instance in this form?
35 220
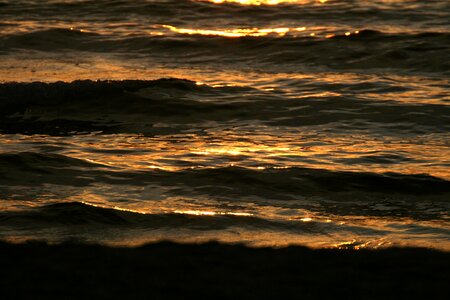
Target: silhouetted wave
80 214
91 106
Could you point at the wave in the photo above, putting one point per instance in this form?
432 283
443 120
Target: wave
91 106
182 9
87 219
15 97
32 169
37 161
81 214
366 49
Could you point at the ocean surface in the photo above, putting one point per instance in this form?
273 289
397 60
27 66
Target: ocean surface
269 123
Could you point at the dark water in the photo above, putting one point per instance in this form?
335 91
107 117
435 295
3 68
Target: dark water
323 123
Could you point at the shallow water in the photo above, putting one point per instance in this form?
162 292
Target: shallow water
321 123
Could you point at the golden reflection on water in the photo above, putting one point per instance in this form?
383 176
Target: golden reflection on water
239 32
393 228
358 245
146 211
314 31
211 213
306 219
258 151
264 2
313 226
265 151
64 67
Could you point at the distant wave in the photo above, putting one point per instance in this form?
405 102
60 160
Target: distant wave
369 49
183 9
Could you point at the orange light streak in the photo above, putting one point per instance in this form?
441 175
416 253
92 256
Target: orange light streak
234 33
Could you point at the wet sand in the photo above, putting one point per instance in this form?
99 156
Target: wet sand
164 270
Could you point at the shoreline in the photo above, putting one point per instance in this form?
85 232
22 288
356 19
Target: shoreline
37 270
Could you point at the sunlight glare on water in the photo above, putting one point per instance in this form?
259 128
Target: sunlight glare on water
265 2
255 32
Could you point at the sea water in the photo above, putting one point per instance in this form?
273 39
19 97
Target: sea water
319 123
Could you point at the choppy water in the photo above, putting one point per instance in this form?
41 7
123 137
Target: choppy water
322 123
